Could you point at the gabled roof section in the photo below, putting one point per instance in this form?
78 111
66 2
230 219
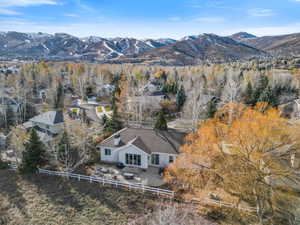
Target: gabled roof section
138 142
49 118
149 140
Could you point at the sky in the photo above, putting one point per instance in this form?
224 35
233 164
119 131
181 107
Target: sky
150 19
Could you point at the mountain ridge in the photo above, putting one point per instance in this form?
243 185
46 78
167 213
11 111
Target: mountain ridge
277 45
188 50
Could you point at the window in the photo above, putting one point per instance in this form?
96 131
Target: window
132 159
155 159
107 151
171 159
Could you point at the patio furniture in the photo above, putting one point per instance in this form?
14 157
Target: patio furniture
138 179
104 170
128 176
108 176
120 165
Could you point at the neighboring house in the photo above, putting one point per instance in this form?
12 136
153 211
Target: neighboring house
290 110
148 102
10 69
151 86
289 158
42 94
47 125
2 141
9 102
142 147
105 90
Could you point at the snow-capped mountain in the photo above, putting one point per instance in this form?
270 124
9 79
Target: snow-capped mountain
194 49
64 46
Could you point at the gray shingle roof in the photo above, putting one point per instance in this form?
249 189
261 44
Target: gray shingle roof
138 142
50 118
149 140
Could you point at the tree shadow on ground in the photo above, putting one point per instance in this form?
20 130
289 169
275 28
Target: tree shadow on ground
129 204
9 189
58 190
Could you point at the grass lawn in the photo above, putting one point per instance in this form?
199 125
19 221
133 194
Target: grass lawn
45 200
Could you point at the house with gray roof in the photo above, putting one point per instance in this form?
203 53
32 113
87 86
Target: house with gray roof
47 125
142 148
14 104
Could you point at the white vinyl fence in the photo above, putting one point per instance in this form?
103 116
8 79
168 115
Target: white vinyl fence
104 181
143 188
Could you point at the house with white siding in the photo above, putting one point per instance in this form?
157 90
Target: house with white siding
142 148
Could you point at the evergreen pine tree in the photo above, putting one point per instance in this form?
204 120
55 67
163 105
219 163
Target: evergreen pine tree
9 117
249 94
180 98
33 155
3 165
113 124
268 96
161 122
104 120
211 109
262 85
59 98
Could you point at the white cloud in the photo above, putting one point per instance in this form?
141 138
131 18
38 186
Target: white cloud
84 6
72 15
210 19
8 12
175 18
6 6
261 12
23 3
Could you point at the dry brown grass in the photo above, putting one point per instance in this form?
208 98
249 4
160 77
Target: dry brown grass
46 200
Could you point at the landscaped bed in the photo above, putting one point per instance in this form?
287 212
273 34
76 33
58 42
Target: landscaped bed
99 109
107 108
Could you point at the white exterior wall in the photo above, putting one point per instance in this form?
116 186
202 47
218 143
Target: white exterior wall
114 157
119 155
163 159
134 150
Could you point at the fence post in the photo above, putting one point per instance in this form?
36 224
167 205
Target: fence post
90 179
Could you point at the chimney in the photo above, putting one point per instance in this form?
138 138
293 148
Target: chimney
117 139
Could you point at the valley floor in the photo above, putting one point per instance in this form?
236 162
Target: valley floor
45 200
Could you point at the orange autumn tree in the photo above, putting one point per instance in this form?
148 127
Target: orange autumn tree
239 156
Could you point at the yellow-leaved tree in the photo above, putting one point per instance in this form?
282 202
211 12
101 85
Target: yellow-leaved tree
242 156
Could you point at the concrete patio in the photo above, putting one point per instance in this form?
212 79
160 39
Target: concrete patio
149 177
